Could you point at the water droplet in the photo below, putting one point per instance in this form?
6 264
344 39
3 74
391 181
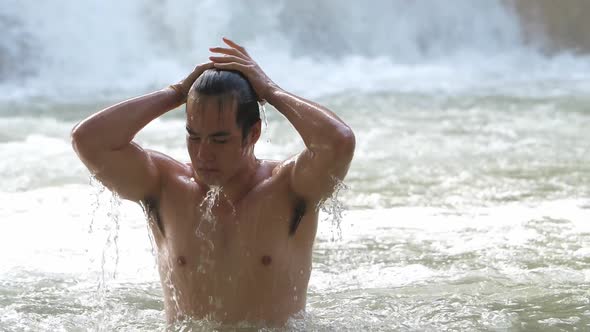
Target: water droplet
334 207
263 109
206 206
209 202
110 251
264 119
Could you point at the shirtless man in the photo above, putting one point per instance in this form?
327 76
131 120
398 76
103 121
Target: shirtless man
249 257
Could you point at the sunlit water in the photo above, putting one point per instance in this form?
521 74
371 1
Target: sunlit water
466 207
466 212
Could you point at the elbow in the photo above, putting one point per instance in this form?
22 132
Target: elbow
345 143
339 145
80 138
76 137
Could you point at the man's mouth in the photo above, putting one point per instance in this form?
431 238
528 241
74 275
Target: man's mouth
207 169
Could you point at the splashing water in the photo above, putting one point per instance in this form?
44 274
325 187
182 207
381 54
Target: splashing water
96 203
211 199
175 292
113 214
109 257
264 120
192 325
208 203
334 207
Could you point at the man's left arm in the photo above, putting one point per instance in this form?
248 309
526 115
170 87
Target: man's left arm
329 145
329 141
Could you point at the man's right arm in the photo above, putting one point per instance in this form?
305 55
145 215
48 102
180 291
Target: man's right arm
104 144
104 140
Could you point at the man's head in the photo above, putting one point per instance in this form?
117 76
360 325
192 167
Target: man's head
223 124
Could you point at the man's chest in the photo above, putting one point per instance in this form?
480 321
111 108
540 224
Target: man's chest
219 236
213 250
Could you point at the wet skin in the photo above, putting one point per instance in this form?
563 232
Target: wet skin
242 263
248 256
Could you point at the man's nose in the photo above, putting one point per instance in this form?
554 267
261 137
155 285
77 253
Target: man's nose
205 152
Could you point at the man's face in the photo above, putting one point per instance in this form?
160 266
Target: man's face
214 139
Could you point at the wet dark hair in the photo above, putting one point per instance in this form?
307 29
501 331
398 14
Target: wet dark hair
216 82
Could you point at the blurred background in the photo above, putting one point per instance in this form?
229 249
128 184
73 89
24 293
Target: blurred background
62 50
466 206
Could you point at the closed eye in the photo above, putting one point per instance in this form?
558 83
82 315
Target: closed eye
214 140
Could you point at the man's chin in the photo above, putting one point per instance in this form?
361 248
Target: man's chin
210 178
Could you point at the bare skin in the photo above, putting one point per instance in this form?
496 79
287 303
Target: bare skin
249 258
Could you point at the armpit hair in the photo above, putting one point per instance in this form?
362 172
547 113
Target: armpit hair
151 209
298 213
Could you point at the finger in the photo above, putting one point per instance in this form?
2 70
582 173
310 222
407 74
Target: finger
228 51
204 66
228 58
236 46
233 66
199 69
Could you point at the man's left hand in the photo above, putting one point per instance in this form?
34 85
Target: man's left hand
235 57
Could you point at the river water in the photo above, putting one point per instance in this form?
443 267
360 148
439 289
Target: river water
467 206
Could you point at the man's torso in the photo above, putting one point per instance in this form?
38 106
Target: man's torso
248 262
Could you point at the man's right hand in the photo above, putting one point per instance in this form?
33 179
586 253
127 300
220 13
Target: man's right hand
182 88
104 143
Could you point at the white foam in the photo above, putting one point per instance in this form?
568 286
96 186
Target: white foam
405 46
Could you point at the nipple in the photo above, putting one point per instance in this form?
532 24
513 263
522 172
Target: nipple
266 260
181 260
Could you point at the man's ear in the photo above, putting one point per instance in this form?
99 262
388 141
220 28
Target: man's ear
255 132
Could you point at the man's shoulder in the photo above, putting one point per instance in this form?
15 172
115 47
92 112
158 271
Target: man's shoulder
168 166
275 176
279 167
275 170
